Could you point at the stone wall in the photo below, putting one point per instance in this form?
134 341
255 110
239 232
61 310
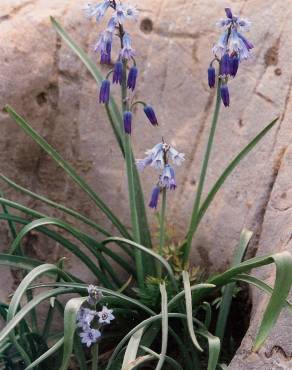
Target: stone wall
44 81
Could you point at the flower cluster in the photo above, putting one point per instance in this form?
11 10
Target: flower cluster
120 75
231 48
158 157
90 321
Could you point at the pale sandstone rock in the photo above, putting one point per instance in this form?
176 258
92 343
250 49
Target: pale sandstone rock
43 80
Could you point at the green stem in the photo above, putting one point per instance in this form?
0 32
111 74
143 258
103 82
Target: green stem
95 357
162 222
194 219
131 183
161 229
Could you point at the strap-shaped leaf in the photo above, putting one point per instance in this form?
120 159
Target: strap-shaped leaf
67 168
132 349
189 309
239 253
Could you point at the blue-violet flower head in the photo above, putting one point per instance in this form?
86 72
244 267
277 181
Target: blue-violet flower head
105 315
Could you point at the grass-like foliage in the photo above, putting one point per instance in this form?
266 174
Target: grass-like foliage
161 313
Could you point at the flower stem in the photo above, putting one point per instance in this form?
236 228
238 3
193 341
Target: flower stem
194 219
95 356
162 227
131 185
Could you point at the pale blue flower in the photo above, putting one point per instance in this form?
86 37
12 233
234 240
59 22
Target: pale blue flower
127 52
131 12
176 157
142 163
85 317
168 178
120 14
231 40
219 48
94 293
105 315
90 336
97 11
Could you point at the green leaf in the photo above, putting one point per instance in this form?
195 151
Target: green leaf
175 365
282 287
67 168
189 309
149 252
261 285
132 349
283 262
77 251
164 313
229 169
46 354
229 289
71 309
58 206
214 348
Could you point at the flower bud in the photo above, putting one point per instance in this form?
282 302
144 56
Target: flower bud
118 73
151 115
211 76
128 122
154 197
225 95
132 77
104 94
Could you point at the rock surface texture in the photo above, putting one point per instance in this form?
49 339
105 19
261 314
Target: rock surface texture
45 82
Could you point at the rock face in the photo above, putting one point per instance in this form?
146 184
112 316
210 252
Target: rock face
46 83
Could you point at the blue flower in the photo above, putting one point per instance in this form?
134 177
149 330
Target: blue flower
142 163
105 315
225 95
132 77
104 45
104 94
90 336
127 52
84 318
225 65
176 157
118 72
124 12
211 76
233 66
151 115
95 295
231 41
128 122
97 11
154 197
168 178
